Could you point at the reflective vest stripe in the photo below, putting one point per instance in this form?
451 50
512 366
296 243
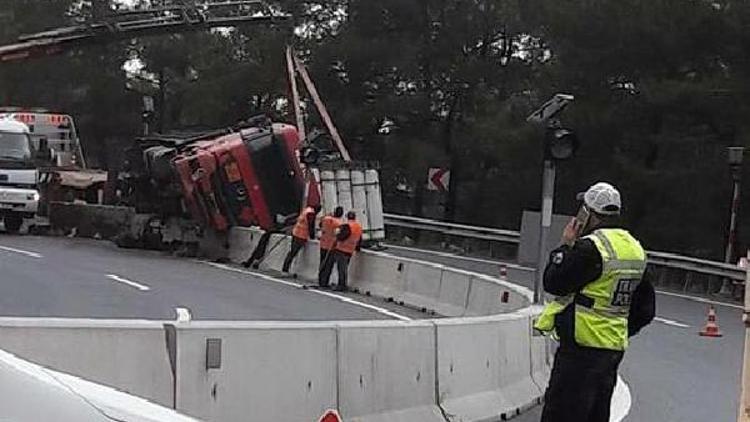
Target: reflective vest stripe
626 265
607 246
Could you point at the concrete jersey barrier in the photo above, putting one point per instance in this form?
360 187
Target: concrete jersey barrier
129 355
266 371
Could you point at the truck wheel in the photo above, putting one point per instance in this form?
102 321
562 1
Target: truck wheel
13 223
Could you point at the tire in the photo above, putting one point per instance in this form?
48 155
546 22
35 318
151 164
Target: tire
13 223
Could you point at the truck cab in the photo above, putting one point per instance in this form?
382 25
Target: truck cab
19 197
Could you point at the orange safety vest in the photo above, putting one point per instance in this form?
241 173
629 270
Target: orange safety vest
328 227
301 229
350 244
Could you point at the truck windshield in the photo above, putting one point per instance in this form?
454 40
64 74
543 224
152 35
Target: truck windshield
15 146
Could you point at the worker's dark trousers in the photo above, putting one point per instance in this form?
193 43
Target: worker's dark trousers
260 250
325 268
580 388
342 265
297 245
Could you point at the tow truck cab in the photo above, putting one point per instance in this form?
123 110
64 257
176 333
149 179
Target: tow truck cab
19 197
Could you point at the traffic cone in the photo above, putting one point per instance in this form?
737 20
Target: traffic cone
711 329
503 272
330 416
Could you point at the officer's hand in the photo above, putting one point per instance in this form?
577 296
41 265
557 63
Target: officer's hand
571 232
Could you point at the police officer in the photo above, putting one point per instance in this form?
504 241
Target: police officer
600 300
348 240
303 231
329 226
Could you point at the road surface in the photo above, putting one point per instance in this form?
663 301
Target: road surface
673 374
81 278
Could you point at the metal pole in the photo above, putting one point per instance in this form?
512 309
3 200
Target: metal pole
729 252
744 411
733 220
295 94
548 194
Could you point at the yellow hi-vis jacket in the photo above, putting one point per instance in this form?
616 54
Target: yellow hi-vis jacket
603 306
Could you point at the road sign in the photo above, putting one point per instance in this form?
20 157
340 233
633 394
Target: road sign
330 416
438 179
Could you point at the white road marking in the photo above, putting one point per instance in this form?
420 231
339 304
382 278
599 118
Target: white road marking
253 273
183 314
700 299
621 401
341 298
139 286
364 305
671 322
21 251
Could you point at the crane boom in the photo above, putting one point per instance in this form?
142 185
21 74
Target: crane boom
140 22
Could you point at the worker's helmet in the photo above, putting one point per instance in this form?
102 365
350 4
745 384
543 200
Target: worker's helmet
602 198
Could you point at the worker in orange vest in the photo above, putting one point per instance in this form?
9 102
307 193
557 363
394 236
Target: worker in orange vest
329 226
348 240
303 231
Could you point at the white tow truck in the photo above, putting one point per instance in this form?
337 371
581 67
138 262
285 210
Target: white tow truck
19 196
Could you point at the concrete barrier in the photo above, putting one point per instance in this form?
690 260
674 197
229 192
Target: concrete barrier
423 285
128 355
484 372
516 382
267 371
242 242
419 284
387 372
454 292
378 274
489 296
541 352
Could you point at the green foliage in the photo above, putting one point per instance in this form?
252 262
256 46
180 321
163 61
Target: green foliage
660 90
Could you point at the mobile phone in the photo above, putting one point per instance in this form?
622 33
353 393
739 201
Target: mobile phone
583 217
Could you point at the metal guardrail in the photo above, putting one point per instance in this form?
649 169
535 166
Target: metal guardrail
662 259
453 229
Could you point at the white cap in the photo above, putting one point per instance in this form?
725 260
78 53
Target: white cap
602 198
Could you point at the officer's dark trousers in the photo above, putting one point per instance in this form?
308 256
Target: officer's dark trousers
325 268
297 245
580 388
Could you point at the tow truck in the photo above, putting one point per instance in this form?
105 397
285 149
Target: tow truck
19 197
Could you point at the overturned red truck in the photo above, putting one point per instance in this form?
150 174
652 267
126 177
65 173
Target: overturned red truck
242 176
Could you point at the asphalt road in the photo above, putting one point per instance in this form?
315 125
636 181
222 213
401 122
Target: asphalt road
61 277
674 375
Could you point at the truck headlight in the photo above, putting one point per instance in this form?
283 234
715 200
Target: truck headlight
32 196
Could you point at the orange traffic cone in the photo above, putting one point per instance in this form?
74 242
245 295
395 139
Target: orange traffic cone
711 329
503 272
